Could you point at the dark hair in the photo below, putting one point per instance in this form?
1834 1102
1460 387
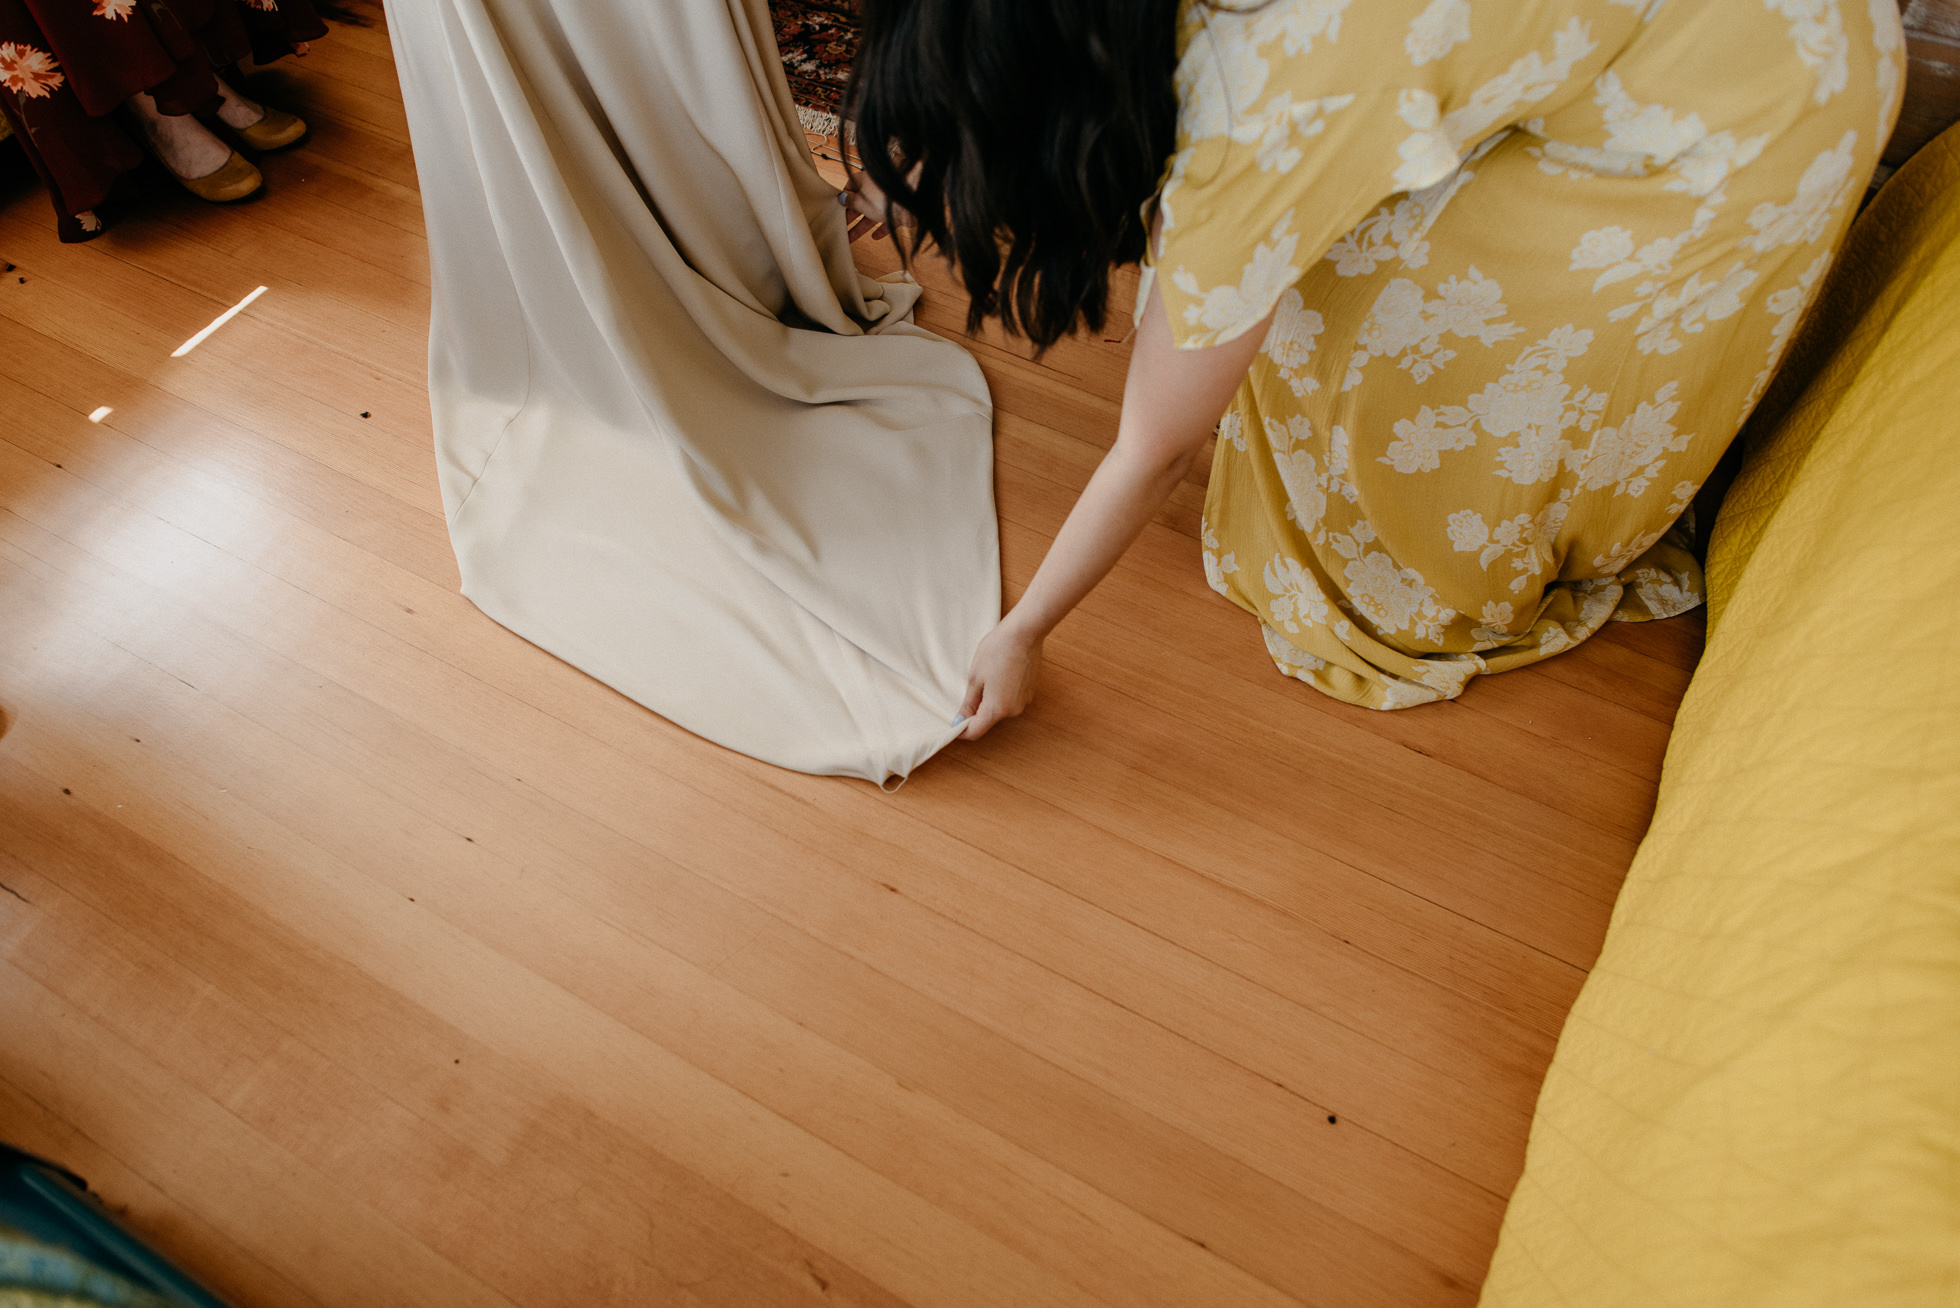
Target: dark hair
1039 129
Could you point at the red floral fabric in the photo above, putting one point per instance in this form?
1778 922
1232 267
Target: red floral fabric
66 65
817 40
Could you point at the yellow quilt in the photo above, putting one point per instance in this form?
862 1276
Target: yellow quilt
1756 1100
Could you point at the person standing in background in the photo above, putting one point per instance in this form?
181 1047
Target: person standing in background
68 66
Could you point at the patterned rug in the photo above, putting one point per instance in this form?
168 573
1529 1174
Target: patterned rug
817 40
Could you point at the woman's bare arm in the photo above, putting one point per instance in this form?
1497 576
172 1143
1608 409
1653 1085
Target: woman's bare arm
1172 399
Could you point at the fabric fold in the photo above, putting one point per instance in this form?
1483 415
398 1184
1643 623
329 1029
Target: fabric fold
683 444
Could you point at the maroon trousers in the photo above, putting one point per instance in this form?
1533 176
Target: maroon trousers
65 65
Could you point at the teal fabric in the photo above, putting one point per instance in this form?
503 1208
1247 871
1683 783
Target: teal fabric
38 1275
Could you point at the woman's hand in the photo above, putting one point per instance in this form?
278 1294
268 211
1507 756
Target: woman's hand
871 214
1171 402
1000 684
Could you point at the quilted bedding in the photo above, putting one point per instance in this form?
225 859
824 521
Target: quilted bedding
1756 1100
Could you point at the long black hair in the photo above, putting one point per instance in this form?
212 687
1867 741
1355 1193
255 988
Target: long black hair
1038 130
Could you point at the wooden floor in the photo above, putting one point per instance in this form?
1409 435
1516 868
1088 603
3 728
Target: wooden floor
363 954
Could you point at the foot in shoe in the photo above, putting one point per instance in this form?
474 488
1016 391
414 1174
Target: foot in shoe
185 145
237 112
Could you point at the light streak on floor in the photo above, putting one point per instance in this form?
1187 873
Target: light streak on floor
216 323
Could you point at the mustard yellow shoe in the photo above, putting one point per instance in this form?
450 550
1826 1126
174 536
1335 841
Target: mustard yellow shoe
236 179
277 130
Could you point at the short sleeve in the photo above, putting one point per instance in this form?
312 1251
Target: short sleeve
1298 119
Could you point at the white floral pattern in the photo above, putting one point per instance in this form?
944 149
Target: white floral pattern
1494 626
1224 73
1434 31
1296 596
1665 594
1227 311
1691 306
1448 674
1626 457
1821 192
1817 32
1396 230
1510 266
1393 599
1217 566
1431 150
1888 45
1306 485
1788 305
1643 137
1282 125
1290 341
1407 326
1231 429
1528 540
1290 658
1532 403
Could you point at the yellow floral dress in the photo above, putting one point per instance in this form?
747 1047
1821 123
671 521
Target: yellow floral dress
1531 263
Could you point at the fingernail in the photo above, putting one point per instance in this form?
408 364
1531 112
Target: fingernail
961 718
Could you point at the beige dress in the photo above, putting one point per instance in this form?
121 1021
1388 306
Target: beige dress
1532 263
683 445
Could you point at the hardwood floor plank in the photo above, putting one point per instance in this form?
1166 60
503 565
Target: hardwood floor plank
358 84
218 512
1215 1201
139 315
143 484
364 584
332 432
1676 642
743 945
199 1246
301 1224
367 954
315 321
1069 463
668 1001
1115 1048
151 438
665 1102
1587 817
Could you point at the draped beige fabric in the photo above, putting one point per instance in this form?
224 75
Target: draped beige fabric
683 444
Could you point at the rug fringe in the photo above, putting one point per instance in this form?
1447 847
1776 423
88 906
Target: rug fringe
817 120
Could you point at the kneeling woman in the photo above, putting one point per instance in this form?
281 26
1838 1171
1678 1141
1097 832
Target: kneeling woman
1480 291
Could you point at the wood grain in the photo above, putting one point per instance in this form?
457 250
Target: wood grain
1932 91
361 953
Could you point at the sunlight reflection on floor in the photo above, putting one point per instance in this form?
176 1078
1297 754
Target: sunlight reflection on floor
216 323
